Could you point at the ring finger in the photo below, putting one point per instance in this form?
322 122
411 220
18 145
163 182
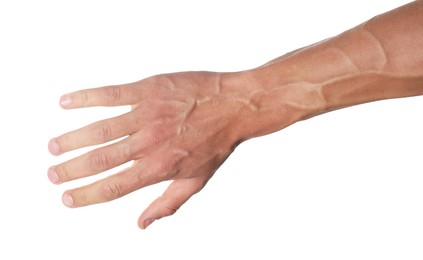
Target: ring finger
91 163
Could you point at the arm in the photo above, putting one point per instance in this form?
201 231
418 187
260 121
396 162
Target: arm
183 126
379 59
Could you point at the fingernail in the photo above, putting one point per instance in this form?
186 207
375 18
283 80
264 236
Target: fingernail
65 101
67 200
52 175
148 222
53 147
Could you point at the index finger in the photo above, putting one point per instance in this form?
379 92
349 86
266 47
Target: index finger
115 95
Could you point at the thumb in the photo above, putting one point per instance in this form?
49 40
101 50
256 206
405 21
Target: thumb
178 192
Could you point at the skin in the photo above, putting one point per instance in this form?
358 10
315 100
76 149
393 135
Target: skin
182 126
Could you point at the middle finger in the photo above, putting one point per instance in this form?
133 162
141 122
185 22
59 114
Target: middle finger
97 133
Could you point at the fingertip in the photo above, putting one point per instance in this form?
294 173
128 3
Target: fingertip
52 175
66 101
148 222
67 200
144 223
141 223
146 218
53 147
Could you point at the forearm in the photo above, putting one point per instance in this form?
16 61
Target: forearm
380 59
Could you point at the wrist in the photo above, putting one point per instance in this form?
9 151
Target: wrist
273 99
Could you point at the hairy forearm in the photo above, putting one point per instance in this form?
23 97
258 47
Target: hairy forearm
379 59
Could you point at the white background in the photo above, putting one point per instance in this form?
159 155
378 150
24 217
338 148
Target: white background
344 185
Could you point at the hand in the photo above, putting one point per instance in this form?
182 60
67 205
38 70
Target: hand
181 127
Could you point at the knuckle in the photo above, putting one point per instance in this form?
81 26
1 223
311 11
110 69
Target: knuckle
99 161
162 171
142 145
103 132
164 81
113 94
169 211
64 173
155 173
159 135
111 190
168 167
84 97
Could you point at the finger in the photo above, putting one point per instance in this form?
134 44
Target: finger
107 189
178 192
93 134
91 163
148 172
96 192
117 95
